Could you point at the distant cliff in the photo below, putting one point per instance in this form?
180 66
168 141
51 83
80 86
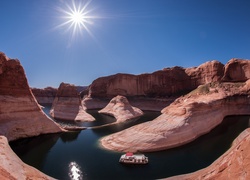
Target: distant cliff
164 83
44 96
48 94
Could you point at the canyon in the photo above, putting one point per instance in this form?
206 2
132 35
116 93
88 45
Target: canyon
192 115
184 120
20 117
152 91
192 101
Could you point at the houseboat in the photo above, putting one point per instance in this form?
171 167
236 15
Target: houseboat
131 158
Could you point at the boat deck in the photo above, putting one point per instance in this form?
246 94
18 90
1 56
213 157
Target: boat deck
130 158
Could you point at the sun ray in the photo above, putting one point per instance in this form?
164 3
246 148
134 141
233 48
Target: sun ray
76 17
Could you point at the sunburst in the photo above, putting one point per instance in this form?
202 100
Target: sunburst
76 17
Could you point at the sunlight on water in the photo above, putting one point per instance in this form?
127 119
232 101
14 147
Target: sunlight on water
75 172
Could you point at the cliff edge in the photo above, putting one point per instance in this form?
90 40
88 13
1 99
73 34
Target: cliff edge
20 114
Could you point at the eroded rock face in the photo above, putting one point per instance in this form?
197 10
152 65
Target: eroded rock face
185 119
237 70
120 108
211 71
12 166
45 96
67 105
164 83
20 114
234 164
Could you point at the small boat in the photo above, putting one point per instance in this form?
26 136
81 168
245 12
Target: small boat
131 158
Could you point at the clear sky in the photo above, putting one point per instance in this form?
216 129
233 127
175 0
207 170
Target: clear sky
120 36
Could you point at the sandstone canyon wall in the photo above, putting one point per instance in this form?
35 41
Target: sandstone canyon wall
44 96
12 167
190 116
20 114
164 83
48 94
67 105
184 120
152 91
233 164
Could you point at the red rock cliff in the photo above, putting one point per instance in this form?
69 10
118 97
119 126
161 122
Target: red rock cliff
164 83
20 115
237 70
45 96
188 117
67 104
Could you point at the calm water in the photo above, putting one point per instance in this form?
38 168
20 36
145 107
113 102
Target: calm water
59 154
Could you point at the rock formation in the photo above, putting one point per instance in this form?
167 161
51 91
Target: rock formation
152 91
234 164
12 166
20 114
44 96
164 83
120 108
67 105
185 119
237 70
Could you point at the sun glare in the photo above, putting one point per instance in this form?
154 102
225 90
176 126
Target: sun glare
77 16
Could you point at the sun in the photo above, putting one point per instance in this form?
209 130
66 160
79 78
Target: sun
77 17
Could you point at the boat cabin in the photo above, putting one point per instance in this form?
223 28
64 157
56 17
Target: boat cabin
131 158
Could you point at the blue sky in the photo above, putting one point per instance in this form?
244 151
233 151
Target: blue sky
124 36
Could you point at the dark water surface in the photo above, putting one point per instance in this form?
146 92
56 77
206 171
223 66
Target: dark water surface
59 154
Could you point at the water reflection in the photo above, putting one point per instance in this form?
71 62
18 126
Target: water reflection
75 172
94 162
35 150
70 136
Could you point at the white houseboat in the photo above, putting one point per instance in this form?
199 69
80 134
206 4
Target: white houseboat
131 158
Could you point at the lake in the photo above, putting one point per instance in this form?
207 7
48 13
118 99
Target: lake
77 155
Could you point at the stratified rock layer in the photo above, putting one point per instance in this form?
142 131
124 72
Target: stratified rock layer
44 96
120 108
67 105
164 83
20 114
184 120
12 167
234 164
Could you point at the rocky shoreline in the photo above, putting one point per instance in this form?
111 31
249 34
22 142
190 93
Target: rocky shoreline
233 164
12 167
184 120
20 117
206 94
